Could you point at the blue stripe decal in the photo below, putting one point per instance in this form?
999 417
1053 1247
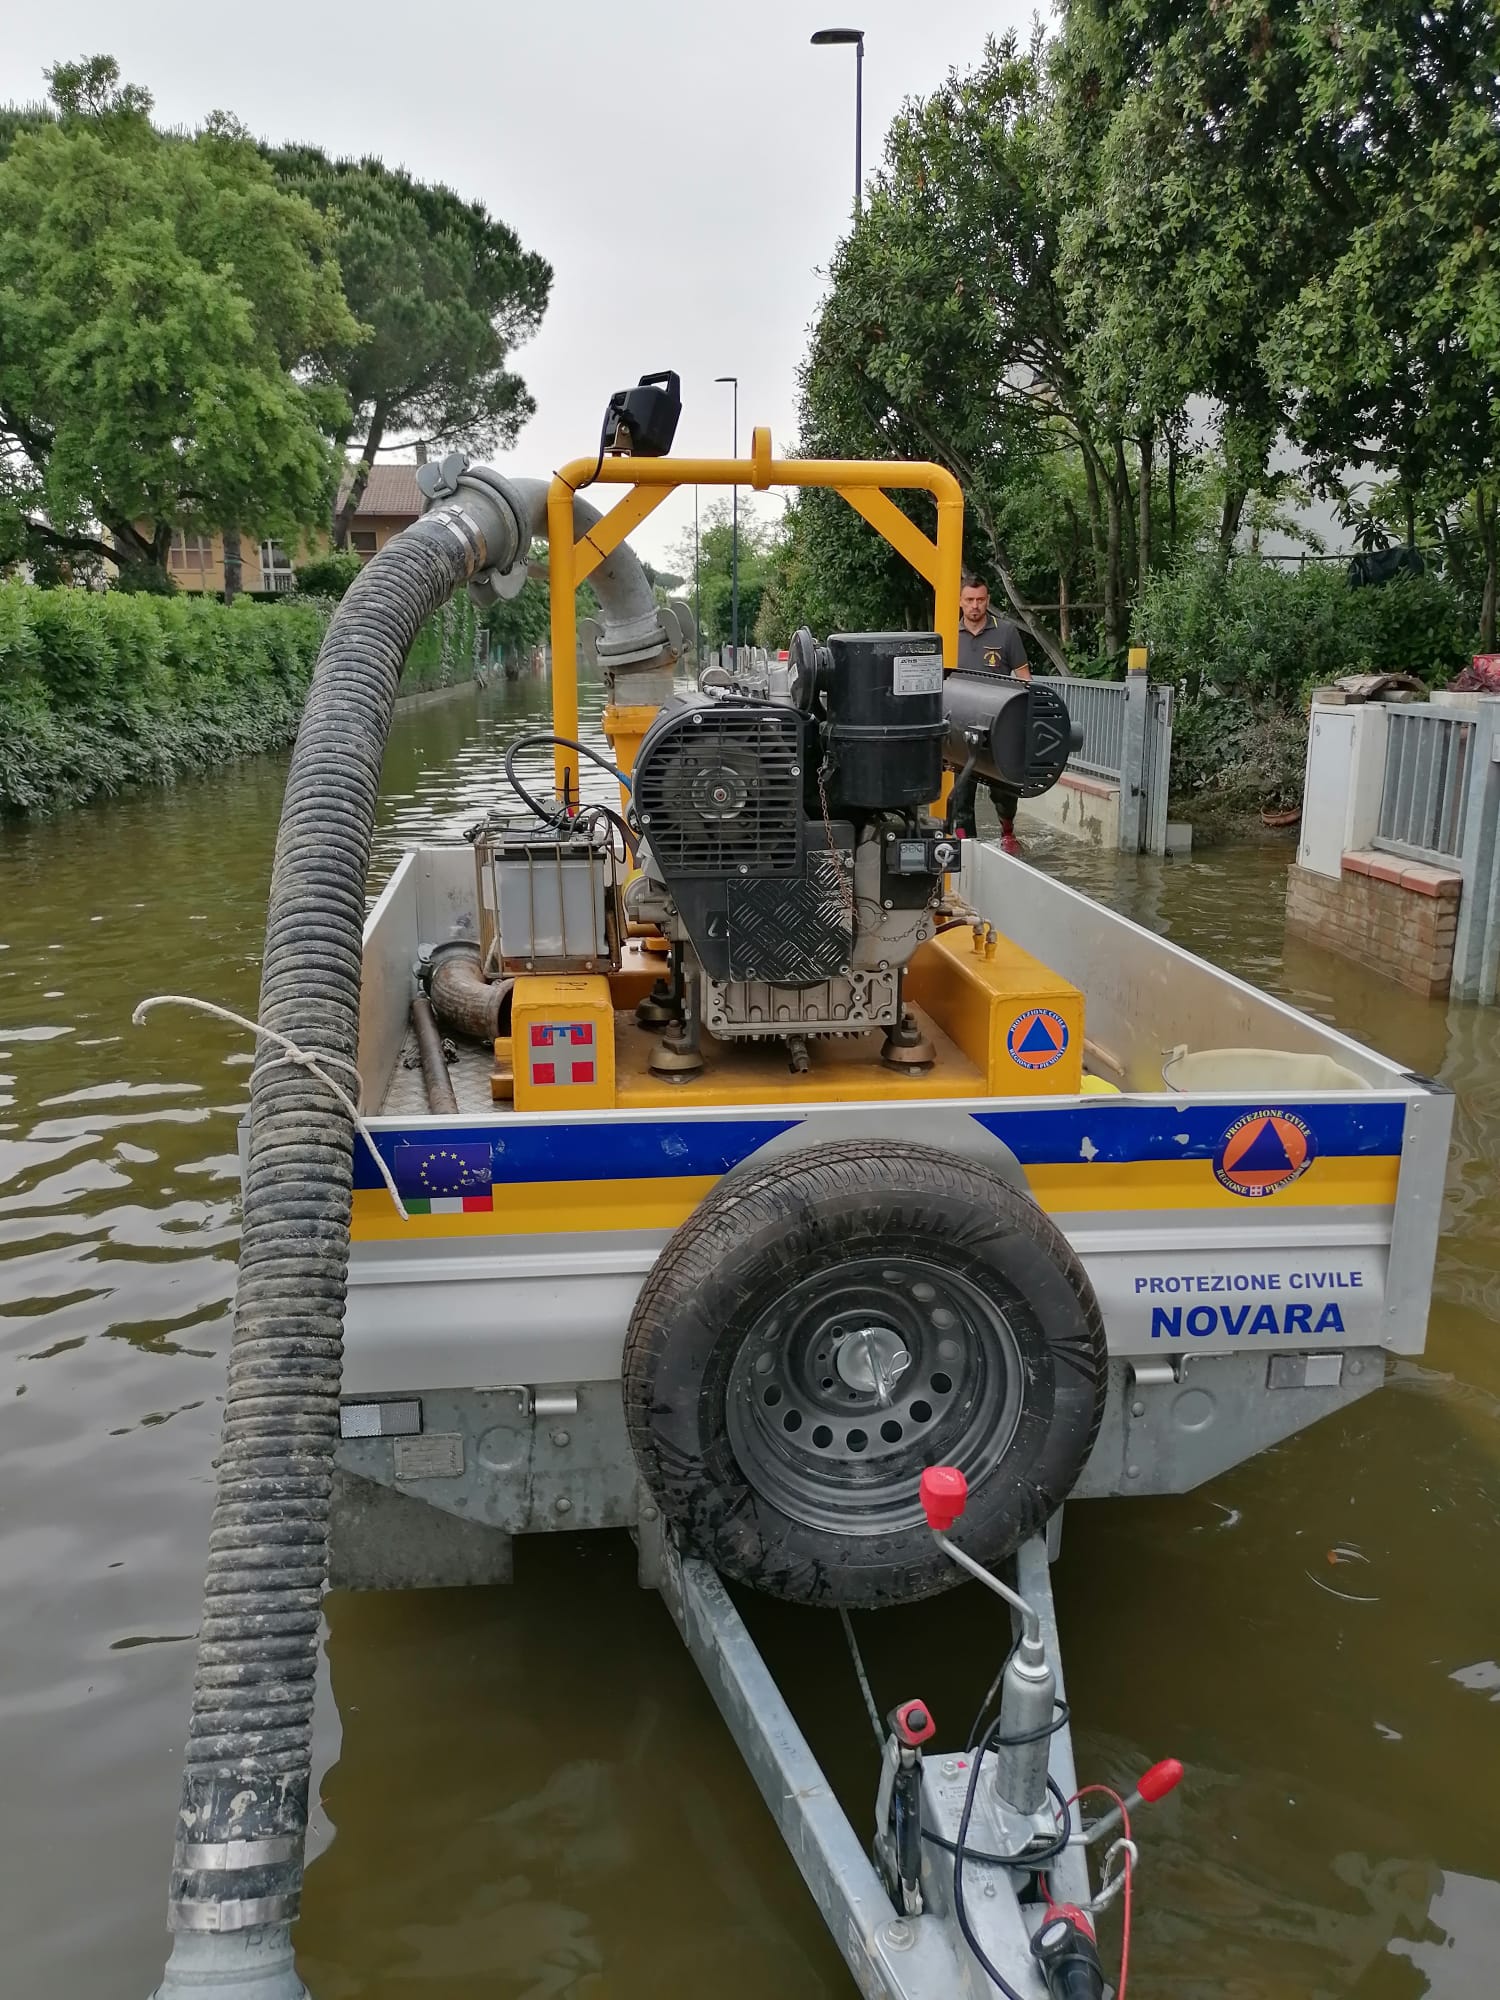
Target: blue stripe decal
1117 1132
1122 1133
640 1149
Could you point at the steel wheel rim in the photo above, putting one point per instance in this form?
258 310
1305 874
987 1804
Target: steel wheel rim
827 1451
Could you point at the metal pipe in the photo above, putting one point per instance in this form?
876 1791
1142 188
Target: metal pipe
941 563
435 1078
1031 1623
462 998
859 128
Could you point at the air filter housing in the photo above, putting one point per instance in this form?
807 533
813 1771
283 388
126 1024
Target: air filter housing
885 719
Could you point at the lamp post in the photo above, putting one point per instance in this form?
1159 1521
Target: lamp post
827 38
697 596
734 533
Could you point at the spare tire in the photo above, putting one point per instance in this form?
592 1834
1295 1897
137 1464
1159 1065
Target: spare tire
823 1328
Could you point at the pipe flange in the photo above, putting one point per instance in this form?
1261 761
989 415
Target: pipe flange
502 519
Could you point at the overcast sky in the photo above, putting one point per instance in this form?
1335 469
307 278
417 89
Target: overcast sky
685 165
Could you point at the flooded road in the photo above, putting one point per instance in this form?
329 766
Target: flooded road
527 1794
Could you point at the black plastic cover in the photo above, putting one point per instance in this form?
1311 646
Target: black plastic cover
648 414
1018 732
885 719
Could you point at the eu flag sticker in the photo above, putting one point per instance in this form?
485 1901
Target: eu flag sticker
446 1170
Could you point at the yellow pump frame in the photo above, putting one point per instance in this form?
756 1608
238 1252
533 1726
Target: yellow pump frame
862 483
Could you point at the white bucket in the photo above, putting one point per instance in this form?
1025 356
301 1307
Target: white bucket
1258 1072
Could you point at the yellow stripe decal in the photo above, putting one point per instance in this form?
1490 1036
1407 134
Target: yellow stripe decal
1347 1182
541 1208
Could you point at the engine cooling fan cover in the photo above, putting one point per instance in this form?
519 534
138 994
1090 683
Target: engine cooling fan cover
718 790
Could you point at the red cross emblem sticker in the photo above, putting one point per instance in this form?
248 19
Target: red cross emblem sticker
562 1052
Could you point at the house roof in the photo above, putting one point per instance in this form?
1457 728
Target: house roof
392 491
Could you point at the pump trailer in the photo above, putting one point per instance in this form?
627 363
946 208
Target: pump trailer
745 1161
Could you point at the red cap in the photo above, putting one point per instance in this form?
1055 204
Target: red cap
945 1494
914 1723
1070 1914
1159 1780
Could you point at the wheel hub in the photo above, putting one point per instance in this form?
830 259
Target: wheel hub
871 1359
858 1376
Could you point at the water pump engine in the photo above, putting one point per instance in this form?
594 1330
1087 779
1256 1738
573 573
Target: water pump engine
788 846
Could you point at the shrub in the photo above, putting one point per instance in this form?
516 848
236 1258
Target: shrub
443 651
102 690
1232 757
1256 629
1245 644
99 690
328 575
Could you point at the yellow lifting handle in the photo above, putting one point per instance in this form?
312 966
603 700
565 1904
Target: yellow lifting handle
864 483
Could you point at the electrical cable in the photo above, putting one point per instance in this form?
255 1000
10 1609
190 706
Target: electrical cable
959 1857
589 816
976 1727
553 816
609 410
1031 1857
863 1678
961 1852
1108 1792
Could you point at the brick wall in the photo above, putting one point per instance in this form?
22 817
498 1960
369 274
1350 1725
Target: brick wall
1396 917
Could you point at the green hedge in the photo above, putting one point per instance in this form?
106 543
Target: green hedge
1260 630
1246 644
443 652
100 690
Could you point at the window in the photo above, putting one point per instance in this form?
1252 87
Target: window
275 568
362 541
190 552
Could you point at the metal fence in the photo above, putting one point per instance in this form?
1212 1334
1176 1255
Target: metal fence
1100 707
1429 755
1440 803
1127 739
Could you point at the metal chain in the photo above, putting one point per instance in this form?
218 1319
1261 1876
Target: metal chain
846 887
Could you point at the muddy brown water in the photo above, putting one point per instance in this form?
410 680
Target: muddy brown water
526 1794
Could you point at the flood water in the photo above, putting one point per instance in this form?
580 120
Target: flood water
526 1793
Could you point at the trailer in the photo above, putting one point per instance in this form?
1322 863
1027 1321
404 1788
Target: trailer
746 1162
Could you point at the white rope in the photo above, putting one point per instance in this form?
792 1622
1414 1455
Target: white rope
299 1058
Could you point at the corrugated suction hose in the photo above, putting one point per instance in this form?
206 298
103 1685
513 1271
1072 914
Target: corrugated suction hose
237 1865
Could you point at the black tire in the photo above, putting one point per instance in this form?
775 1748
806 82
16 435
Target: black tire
1004 1373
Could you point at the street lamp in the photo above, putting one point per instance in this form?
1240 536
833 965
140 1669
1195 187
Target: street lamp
734 536
827 38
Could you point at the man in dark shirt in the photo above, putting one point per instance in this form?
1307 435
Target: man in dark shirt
987 645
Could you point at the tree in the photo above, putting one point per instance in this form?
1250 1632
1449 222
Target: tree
448 292
948 333
829 570
1391 350
1202 198
165 311
714 570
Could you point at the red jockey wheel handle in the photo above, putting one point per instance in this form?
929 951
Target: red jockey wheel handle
945 1494
1159 1780
913 1723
